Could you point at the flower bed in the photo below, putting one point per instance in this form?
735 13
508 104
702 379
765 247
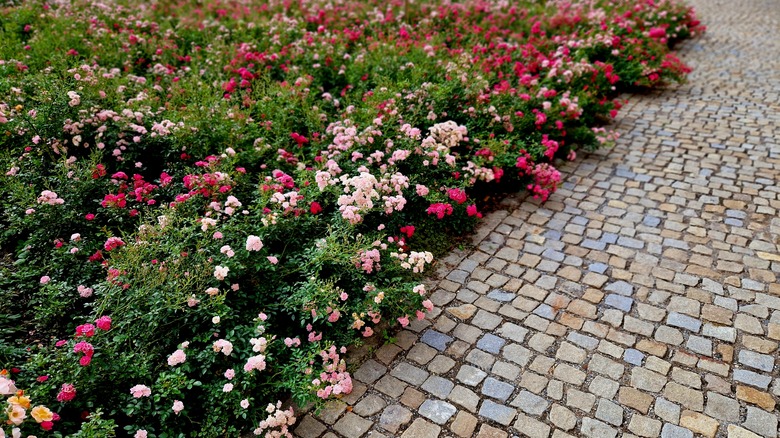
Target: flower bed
202 207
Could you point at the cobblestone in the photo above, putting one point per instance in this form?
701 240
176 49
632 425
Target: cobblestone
667 410
352 426
464 397
761 422
421 429
491 343
497 389
437 411
409 373
393 417
699 423
438 386
610 412
530 403
596 429
369 406
752 378
722 408
497 412
672 431
436 340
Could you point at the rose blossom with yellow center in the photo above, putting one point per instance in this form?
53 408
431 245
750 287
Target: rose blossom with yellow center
20 400
16 414
41 414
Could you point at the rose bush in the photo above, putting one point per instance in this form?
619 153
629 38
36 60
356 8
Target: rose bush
202 206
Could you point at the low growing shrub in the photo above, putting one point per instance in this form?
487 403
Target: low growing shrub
203 206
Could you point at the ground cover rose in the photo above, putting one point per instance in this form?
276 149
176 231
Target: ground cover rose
347 145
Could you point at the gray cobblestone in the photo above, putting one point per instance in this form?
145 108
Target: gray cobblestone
634 357
619 302
610 412
486 320
438 386
722 408
501 295
437 411
369 406
370 372
673 431
667 410
497 412
761 422
393 417
352 426
755 360
752 378
497 389
584 341
464 397
597 429
620 287
436 340
530 403
409 373
683 321
491 343
471 376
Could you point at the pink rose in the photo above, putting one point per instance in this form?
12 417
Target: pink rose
253 243
139 391
67 393
104 323
657 32
113 243
177 357
87 330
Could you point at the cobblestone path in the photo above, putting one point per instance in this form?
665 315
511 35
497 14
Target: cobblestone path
641 300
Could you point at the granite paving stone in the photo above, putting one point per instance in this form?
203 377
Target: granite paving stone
673 431
421 429
436 340
491 343
437 411
499 413
761 422
393 417
465 397
470 376
409 373
352 425
531 427
597 429
438 386
530 403
610 412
